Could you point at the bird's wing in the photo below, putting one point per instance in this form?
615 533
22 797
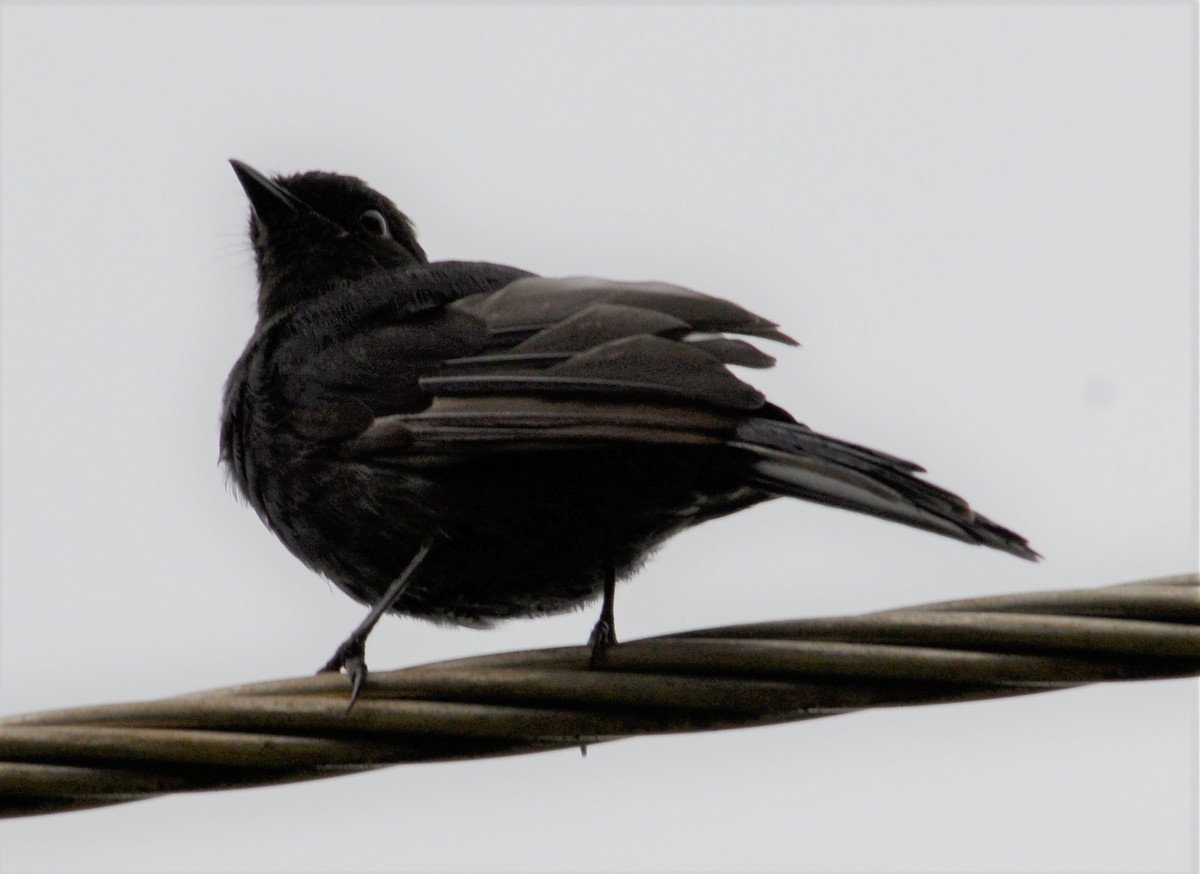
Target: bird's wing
561 364
543 364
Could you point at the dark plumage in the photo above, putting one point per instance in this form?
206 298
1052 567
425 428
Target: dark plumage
536 437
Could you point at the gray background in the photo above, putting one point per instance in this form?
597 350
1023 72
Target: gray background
977 218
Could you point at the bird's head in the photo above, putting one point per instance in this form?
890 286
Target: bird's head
312 232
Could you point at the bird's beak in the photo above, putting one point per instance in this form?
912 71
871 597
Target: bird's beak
271 202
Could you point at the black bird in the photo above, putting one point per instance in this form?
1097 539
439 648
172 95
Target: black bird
467 442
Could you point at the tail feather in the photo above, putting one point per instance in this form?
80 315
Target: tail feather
796 461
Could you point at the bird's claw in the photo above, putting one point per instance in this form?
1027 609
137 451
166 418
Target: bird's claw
603 636
350 657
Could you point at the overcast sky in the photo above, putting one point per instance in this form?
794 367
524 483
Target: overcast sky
978 220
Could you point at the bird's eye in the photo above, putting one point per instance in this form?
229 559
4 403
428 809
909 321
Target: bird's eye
375 224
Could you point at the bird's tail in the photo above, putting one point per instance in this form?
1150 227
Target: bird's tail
793 460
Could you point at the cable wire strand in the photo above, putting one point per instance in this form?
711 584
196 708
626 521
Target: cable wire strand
523 702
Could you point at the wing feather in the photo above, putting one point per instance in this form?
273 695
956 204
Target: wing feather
470 426
634 366
540 364
535 302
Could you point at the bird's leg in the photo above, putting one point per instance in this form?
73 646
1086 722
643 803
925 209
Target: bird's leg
351 655
604 634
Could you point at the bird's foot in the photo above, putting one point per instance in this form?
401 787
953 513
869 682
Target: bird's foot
603 636
350 657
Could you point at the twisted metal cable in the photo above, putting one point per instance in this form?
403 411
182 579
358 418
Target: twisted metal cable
523 702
